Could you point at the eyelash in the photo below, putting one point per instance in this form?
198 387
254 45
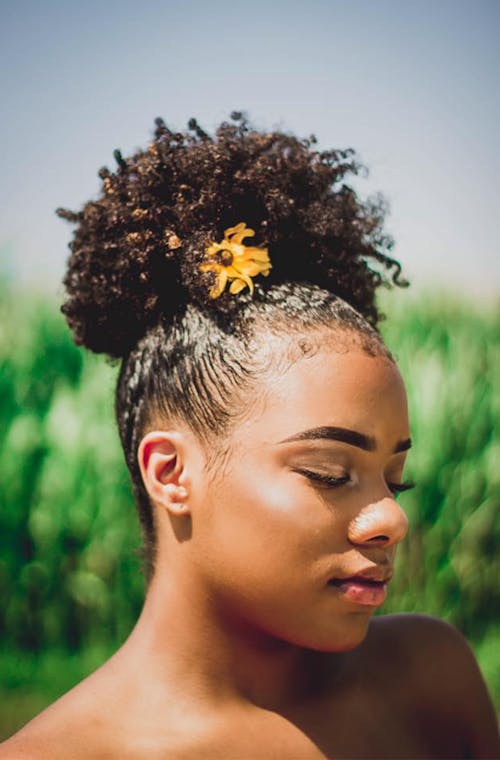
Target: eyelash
333 482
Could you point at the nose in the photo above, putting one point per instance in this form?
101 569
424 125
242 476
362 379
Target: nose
382 523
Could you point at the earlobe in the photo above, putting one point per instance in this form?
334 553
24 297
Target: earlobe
176 496
162 468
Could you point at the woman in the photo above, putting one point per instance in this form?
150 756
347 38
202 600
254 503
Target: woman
265 427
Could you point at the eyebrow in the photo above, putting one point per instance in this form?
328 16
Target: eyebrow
352 437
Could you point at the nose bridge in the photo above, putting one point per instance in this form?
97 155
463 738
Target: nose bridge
381 521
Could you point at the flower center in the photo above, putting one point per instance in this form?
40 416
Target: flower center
225 258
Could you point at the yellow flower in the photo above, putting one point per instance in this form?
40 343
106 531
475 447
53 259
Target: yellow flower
232 260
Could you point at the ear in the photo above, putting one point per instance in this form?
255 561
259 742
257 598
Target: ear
161 459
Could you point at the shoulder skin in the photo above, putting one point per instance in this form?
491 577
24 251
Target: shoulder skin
442 676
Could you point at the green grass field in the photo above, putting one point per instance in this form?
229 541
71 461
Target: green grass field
70 578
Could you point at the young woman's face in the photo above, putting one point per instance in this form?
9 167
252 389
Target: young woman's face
305 501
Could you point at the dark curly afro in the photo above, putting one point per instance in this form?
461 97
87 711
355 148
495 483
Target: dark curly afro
136 250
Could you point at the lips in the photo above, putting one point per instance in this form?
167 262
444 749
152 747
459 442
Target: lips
367 587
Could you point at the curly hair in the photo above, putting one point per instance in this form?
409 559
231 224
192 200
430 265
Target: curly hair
134 289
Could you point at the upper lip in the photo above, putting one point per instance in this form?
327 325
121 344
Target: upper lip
378 574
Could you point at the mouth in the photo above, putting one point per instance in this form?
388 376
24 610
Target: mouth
371 592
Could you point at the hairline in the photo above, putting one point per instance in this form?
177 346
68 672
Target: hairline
308 346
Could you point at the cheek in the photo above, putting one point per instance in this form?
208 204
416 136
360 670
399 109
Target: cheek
265 553
270 531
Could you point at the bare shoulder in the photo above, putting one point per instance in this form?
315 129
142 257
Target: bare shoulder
431 647
113 713
73 726
441 675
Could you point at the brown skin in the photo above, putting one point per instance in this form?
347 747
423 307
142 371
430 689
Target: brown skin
243 650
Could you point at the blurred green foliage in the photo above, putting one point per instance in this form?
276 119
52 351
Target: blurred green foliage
449 354
70 576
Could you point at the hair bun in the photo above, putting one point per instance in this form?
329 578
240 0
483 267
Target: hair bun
136 250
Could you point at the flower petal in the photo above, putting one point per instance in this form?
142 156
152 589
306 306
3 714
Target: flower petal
238 233
247 280
234 230
237 285
219 286
251 268
233 271
213 248
259 254
238 250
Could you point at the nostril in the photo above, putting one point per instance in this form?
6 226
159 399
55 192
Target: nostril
379 538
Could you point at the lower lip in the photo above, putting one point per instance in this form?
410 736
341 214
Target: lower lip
362 592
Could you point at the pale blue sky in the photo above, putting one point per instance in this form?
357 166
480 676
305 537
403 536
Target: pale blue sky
412 86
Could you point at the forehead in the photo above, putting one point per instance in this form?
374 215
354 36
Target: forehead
346 387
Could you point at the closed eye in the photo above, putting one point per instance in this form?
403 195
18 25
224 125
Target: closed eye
335 482
400 487
327 480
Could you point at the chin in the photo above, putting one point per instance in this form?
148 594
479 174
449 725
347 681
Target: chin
338 646
347 635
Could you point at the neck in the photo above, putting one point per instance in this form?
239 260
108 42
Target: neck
184 640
